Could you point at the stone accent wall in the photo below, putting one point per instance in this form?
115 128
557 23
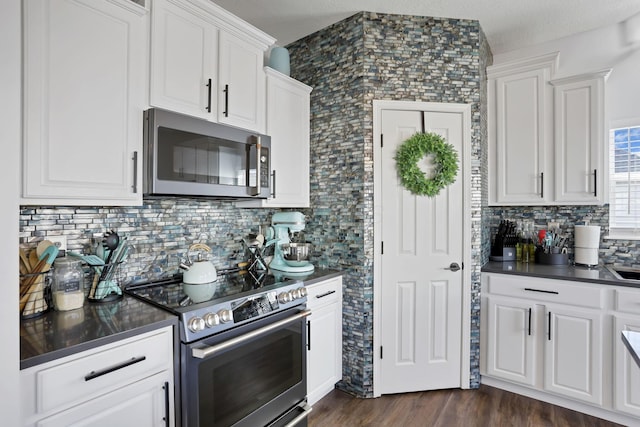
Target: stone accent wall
389 57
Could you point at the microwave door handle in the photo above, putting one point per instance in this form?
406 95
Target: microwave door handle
257 189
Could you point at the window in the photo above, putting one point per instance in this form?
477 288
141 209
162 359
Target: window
624 177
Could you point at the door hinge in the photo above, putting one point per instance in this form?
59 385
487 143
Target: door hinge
381 140
381 248
380 352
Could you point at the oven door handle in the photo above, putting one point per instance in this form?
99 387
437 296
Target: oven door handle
203 353
306 408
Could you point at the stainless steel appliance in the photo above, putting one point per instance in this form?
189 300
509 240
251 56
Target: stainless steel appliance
188 156
242 351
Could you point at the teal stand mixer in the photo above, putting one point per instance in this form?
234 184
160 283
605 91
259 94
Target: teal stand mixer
287 256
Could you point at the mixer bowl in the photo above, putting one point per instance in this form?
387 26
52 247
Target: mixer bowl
296 251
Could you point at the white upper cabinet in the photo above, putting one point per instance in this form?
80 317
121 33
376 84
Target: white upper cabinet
84 91
207 63
241 83
288 125
520 131
547 141
580 138
184 55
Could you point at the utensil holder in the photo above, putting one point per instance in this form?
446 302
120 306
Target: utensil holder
35 294
552 259
108 289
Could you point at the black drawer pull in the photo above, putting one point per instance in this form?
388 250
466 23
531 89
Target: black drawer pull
308 335
529 320
326 294
95 374
541 290
549 327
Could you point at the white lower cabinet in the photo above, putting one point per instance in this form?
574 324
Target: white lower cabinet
626 371
127 383
324 355
573 353
560 341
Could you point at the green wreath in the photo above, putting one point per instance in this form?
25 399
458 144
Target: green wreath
414 149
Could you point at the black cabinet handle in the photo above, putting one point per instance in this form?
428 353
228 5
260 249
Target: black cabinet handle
326 294
273 183
549 327
309 335
529 320
226 101
95 374
595 182
209 96
541 290
135 172
166 404
542 185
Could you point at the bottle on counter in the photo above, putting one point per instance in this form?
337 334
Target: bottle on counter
67 289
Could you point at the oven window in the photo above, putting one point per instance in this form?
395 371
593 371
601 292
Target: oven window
234 384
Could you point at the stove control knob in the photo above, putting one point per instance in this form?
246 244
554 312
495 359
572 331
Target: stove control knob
284 297
225 316
303 292
211 319
299 293
196 324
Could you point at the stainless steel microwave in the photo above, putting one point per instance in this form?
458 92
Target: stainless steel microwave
187 156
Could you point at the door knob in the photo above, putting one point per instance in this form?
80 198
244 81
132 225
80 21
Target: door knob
453 267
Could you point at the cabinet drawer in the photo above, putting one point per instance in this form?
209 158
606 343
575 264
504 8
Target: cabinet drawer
628 301
324 292
98 373
545 290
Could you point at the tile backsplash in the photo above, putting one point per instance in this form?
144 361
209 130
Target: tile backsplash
620 252
161 231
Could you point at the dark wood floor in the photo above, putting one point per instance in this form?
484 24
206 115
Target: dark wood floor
486 407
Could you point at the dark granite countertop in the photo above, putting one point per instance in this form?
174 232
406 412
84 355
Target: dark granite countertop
57 334
319 275
631 340
598 274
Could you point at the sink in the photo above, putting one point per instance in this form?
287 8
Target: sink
625 274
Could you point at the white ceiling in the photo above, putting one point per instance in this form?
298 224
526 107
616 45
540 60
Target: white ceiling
508 24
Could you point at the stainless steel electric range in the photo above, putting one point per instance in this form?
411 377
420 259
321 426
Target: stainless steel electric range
243 348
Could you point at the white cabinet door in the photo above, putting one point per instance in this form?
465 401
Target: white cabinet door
324 355
573 353
288 126
511 339
521 137
241 83
85 67
323 366
142 404
580 139
184 52
626 390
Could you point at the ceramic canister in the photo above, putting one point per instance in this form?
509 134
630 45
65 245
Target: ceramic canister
279 60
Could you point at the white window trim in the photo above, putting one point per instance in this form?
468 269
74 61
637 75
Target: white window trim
620 233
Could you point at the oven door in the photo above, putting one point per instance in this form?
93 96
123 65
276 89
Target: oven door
254 375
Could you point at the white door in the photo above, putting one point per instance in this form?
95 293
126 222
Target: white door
421 299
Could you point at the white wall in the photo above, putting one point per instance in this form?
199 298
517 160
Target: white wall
606 47
9 177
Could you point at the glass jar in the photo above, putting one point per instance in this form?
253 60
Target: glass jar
67 290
